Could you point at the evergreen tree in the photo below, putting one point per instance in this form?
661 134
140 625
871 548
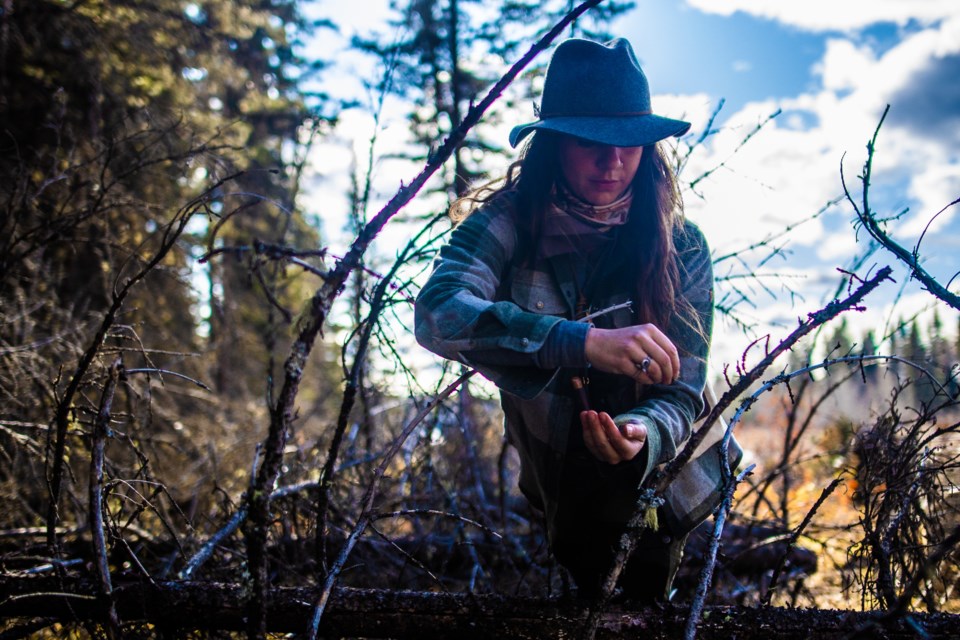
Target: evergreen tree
840 344
259 88
869 348
452 51
113 116
916 351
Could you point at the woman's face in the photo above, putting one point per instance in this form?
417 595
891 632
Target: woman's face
597 173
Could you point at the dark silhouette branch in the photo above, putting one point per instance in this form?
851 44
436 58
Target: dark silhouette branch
101 431
794 536
706 574
351 388
869 221
65 406
662 478
366 514
314 318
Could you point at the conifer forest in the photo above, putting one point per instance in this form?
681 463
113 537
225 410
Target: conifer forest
215 421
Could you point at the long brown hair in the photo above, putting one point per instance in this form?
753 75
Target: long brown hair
645 247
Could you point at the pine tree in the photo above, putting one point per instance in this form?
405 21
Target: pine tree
453 51
113 116
869 348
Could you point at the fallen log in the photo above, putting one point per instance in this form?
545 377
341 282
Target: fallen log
373 613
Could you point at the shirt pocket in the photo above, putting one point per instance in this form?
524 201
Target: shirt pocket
536 291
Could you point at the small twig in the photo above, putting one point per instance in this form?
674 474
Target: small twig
706 174
765 600
408 556
435 512
367 502
101 431
869 221
706 574
601 312
168 372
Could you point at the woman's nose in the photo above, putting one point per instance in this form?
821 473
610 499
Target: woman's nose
610 156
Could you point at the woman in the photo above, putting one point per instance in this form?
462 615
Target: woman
588 226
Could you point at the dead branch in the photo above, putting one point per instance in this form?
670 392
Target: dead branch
314 318
814 320
366 515
869 221
65 405
174 607
100 433
794 536
658 482
351 388
706 575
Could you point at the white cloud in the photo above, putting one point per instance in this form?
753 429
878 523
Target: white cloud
836 248
788 170
779 177
824 15
845 65
694 108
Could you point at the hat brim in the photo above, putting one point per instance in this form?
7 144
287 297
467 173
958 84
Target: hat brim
619 131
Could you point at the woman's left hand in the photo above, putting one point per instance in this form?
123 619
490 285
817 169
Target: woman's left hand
605 440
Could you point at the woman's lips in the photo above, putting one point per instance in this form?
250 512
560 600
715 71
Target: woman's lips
606 183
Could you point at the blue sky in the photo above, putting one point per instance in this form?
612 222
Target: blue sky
830 67
739 57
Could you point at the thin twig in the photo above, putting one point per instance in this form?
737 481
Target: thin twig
814 320
366 514
65 406
352 388
168 372
869 221
706 574
794 536
101 430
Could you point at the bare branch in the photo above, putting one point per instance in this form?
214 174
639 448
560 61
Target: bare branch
65 407
870 223
658 482
100 433
366 515
706 575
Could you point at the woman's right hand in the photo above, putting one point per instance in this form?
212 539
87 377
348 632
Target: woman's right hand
626 350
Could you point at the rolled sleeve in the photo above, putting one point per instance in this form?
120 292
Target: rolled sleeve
459 314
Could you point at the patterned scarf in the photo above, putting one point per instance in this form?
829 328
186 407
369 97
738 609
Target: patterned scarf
574 226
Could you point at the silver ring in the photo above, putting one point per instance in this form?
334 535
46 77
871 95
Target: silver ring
644 365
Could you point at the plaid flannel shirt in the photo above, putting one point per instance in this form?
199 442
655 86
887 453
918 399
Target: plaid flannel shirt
481 308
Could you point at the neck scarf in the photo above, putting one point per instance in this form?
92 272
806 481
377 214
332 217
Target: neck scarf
572 225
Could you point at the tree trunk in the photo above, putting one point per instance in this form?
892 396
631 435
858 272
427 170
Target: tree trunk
368 613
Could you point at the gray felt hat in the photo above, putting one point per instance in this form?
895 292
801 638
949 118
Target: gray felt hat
599 92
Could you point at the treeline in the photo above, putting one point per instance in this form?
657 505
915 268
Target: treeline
138 137
927 352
